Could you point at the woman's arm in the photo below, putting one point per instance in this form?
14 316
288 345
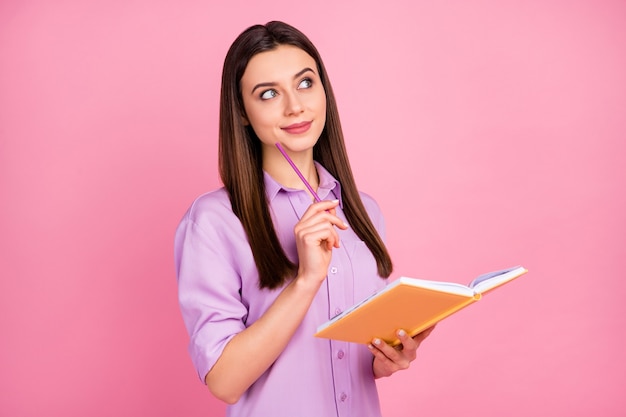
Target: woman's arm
252 351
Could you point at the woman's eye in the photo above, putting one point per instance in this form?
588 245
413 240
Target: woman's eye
306 83
266 95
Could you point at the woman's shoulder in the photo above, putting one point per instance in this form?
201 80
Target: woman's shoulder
373 211
371 205
211 207
217 197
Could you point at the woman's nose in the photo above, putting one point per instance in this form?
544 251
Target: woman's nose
293 104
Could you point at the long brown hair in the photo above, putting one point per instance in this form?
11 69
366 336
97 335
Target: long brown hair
240 162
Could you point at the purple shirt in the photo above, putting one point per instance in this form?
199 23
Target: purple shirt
219 297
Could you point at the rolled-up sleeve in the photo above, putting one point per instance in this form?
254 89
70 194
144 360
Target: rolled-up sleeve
209 283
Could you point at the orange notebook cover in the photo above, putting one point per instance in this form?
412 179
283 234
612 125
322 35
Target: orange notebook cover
411 304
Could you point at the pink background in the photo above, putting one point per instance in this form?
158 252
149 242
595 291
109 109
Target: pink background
492 133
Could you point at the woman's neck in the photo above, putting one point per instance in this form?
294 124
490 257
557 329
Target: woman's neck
275 164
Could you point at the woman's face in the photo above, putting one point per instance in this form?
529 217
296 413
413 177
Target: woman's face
284 98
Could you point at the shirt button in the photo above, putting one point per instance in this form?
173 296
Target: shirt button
340 354
333 270
337 311
343 396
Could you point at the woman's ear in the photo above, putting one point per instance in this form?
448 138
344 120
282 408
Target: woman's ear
244 119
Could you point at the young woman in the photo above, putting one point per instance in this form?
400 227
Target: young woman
260 264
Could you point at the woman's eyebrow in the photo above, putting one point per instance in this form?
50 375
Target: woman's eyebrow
273 84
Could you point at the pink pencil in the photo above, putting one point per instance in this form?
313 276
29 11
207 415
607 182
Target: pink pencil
295 168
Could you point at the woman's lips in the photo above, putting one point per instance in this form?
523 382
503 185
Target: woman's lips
297 128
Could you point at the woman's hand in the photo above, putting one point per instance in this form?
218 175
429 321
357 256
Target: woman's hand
316 236
389 359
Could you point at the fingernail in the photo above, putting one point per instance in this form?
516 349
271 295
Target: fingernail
377 342
401 333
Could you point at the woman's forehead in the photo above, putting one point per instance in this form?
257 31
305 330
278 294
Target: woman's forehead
279 64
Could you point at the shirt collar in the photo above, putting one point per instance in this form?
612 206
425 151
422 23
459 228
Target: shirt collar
328 185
